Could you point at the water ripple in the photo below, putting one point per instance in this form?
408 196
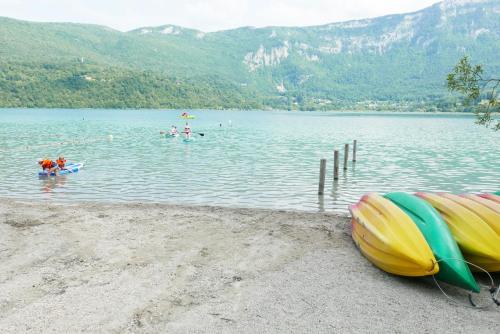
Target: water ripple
258 159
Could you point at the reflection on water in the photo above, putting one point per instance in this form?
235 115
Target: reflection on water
321 203
259 159
48 184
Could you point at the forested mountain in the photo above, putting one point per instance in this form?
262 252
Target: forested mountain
397 58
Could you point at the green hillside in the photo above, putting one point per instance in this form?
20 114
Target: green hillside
97 86
399 59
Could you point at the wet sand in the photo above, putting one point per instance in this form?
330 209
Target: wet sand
144 268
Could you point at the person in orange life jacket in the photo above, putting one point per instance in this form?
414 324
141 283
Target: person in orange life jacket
48 166
61 162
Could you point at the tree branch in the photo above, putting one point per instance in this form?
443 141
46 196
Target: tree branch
468 80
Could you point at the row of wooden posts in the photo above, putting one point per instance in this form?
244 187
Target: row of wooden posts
322 168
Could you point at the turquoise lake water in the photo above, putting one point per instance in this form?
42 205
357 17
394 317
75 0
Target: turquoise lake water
255 159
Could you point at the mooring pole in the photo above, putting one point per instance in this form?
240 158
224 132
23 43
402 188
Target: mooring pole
346 155
336 165
354 151
322 175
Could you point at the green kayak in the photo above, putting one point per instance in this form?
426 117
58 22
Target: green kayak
452 268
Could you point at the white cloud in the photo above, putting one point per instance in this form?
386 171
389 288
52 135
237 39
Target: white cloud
206 15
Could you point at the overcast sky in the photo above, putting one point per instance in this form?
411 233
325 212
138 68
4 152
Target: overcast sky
205 15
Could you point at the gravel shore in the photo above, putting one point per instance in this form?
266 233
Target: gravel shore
154 268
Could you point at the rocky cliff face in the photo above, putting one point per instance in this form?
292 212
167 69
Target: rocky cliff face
461 20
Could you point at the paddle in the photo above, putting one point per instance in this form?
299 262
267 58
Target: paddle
199 133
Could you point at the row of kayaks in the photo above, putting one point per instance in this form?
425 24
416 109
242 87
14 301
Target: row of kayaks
442 234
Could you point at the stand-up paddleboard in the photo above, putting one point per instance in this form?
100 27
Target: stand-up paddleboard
188 140
69 169
169 135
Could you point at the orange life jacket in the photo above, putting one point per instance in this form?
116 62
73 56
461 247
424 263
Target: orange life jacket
47 164
61 162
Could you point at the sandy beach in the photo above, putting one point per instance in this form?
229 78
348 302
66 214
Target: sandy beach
144 268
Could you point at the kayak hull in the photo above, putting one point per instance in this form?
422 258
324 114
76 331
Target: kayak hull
69 169
484 201
452 266
479 243
491 197
485 212
387 237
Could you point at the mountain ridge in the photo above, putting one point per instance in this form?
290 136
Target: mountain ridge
445 3
397 57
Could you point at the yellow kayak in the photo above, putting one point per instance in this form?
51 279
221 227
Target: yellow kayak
389 238
484 201
489 216
491 197
479 242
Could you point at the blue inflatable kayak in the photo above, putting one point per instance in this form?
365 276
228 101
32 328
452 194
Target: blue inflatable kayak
69 169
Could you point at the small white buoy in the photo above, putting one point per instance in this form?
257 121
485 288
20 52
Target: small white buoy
110 137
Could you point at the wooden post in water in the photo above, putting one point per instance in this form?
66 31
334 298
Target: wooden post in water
354 151
322 175
336 165
346 155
